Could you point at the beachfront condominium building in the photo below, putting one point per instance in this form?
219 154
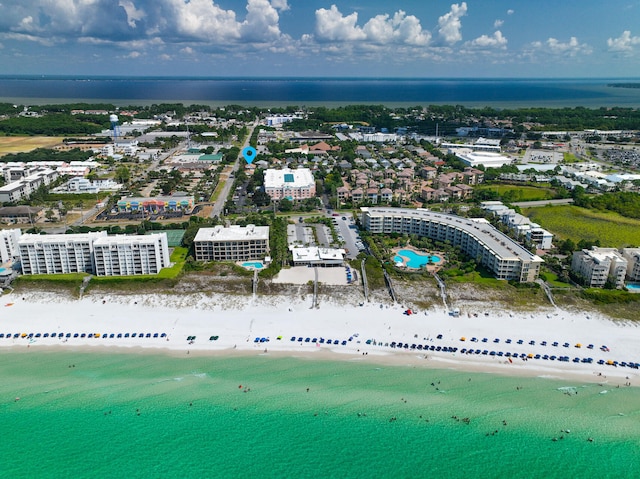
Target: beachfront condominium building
124 255
235 243
632 255
597 265
9 244
476 238
294 185
58 253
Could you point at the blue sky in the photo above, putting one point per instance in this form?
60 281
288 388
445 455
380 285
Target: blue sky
361 38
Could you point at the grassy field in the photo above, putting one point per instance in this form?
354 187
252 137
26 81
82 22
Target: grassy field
20 144
520 192
612 229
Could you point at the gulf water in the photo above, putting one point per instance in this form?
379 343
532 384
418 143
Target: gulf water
145 415
327 91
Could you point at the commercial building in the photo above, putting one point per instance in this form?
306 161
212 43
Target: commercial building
57 254
294 185
477 239
9 244
131 255
156 204
598 265
314 256
235 243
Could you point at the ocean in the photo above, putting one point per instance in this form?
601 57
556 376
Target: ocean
93 414
266 92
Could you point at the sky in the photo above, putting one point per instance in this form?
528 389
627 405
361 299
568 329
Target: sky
311 38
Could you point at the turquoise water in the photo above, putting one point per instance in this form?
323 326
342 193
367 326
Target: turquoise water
253 264
145 415
633 286
415 260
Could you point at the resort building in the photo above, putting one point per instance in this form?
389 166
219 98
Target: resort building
598 265
9 244
235 243
294 185
477 239
131 255
314 256
58 253
632 255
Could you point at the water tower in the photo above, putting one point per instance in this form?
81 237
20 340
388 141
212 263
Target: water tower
114 127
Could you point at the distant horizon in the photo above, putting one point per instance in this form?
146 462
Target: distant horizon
45 76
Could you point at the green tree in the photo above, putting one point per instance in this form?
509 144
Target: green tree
122 174
285 205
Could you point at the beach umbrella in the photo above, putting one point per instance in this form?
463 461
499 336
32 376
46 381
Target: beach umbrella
463 338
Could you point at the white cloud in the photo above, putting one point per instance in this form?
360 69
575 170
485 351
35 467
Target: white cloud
497 40
397 29
204 20
624 43
571 48
450 25
280 5
510 11
261 23
498 23
332 26
133 14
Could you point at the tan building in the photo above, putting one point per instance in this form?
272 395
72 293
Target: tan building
235 243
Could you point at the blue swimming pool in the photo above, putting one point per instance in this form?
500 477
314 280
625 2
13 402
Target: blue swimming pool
635 287
411 259
253 265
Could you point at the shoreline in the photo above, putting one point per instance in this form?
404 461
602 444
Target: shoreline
363 333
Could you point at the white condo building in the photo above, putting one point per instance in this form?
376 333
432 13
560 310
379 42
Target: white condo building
632 255
236 243
131 255
25 187
9 244
57 254
597 265
294 185
479 240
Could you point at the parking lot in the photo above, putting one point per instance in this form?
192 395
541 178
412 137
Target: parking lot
348 233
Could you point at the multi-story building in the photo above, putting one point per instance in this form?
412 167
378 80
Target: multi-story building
130 255
235 243
632 255
25 187
294 185
598 265
477 239
58 253
9 244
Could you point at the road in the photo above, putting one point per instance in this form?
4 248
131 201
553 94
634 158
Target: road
218 207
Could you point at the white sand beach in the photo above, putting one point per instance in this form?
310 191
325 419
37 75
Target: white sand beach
267 325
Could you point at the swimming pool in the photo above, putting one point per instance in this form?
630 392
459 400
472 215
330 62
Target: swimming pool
413 259
635 287
253 265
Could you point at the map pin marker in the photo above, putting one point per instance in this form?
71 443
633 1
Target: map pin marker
249 154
